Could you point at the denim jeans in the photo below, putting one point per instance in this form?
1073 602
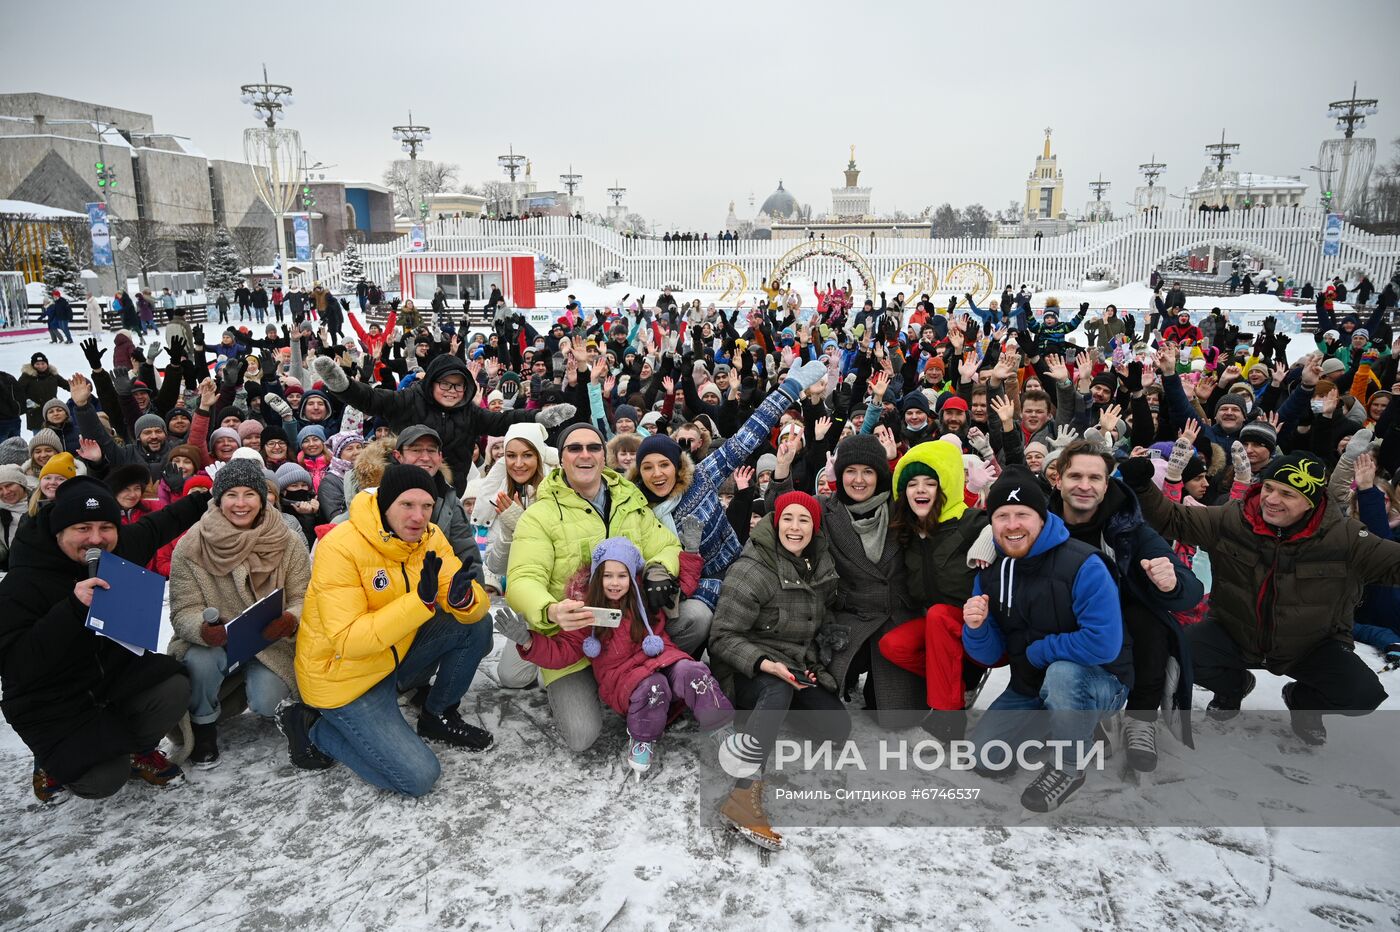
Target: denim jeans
370 736
208 668
1074 695
1374 635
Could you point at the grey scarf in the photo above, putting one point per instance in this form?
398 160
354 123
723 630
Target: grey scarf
872 522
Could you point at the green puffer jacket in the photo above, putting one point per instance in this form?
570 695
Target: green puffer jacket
772 605
556 536
1279 598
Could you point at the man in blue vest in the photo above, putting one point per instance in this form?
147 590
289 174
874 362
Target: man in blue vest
1042 606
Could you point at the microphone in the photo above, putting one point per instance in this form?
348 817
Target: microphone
92 555
211 616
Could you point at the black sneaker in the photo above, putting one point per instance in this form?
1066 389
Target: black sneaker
1048 791
449 728
205 755
294 720
1140 742
945 727
1306 724
1222 709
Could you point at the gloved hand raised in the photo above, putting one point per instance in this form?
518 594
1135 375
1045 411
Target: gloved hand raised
278 405
331 374
93 354
428 579
1136 472
460 593
512 626
809 373
555 415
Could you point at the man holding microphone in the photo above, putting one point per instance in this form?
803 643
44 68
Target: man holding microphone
90 709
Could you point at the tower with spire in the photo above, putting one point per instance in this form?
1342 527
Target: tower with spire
1045 188
851 202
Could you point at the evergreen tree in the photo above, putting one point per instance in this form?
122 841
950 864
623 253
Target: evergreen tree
60 271
352 267
224 269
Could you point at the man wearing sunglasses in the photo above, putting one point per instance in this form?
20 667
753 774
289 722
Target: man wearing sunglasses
444 399
578 506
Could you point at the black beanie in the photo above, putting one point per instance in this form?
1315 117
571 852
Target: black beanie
82 499
1194 467
861 450
1017 486
1301 472
398 479
273 431
227 411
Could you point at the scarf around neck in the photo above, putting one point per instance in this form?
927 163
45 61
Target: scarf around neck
872 522
218 548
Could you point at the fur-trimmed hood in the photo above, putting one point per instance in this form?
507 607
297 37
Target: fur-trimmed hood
685 475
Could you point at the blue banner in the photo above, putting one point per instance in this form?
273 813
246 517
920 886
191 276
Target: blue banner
301 235
417 238
1332 235
101 235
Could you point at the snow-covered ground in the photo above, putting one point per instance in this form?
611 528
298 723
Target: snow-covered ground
528 836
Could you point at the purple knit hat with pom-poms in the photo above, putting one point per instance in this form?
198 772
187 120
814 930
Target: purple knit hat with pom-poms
625 552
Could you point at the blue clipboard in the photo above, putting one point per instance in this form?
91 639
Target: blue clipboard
245 640
129 611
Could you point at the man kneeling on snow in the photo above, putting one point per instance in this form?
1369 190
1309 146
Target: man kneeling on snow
1049 606
370 627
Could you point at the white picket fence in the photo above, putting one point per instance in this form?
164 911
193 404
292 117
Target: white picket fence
1287 240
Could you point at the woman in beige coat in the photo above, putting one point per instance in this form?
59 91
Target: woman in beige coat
239 552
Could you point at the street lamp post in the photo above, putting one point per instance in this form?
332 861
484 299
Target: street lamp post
512 164
269 148
411 137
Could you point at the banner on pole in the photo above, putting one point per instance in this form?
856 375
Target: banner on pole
301 235
101 235
417 238
1332 235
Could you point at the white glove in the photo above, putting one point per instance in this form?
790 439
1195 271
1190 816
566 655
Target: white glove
279 406
1359 443
555 415
809 373
332 375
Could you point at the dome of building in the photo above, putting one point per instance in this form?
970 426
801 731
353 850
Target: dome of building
781 205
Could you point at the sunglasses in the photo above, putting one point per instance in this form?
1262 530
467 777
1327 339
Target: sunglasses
577 448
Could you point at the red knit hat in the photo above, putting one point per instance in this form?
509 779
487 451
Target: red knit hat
814 507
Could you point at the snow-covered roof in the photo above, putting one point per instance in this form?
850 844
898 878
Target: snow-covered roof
352 183
1256 180
41 211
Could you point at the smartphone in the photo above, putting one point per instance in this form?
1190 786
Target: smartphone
606 617
801 676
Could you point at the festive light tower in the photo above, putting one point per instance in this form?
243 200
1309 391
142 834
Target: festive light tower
1350 157
1149 196
616 212
571 180
1221 152
278 152
1098 210
411 137
512 164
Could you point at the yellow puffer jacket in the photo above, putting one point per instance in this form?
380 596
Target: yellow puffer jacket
556 536
362 609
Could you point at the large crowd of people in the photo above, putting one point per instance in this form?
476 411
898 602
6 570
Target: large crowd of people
736 513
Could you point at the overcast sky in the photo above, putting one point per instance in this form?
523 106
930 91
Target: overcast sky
691 105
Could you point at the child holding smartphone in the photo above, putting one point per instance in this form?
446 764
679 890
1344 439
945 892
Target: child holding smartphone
640 672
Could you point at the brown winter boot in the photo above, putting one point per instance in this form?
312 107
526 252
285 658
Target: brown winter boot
743 812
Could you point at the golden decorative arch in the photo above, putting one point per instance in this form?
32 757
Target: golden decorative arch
733 279
914 278
821 248
969 278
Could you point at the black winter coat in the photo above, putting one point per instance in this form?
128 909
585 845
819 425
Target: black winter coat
458 427
60 681
935 567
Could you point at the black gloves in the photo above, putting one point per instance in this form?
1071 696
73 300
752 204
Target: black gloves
1084 307
831 640
460 594
177 350
234 369
198 331
1270 323
428 579
1132 382
1136 472
93 354
661 590
1281 342
174 480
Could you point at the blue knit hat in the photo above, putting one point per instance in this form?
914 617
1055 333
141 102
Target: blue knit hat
625 552
311 430
660 443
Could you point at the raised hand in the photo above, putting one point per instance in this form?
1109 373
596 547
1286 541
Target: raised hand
1239 460
879 382
1161 571
79 389
90 449
886 438
821 428
92 353
512 626
1365 471
208 393
1108 419
1056 369
743 477
428 579
1004 410
787 452
975 611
